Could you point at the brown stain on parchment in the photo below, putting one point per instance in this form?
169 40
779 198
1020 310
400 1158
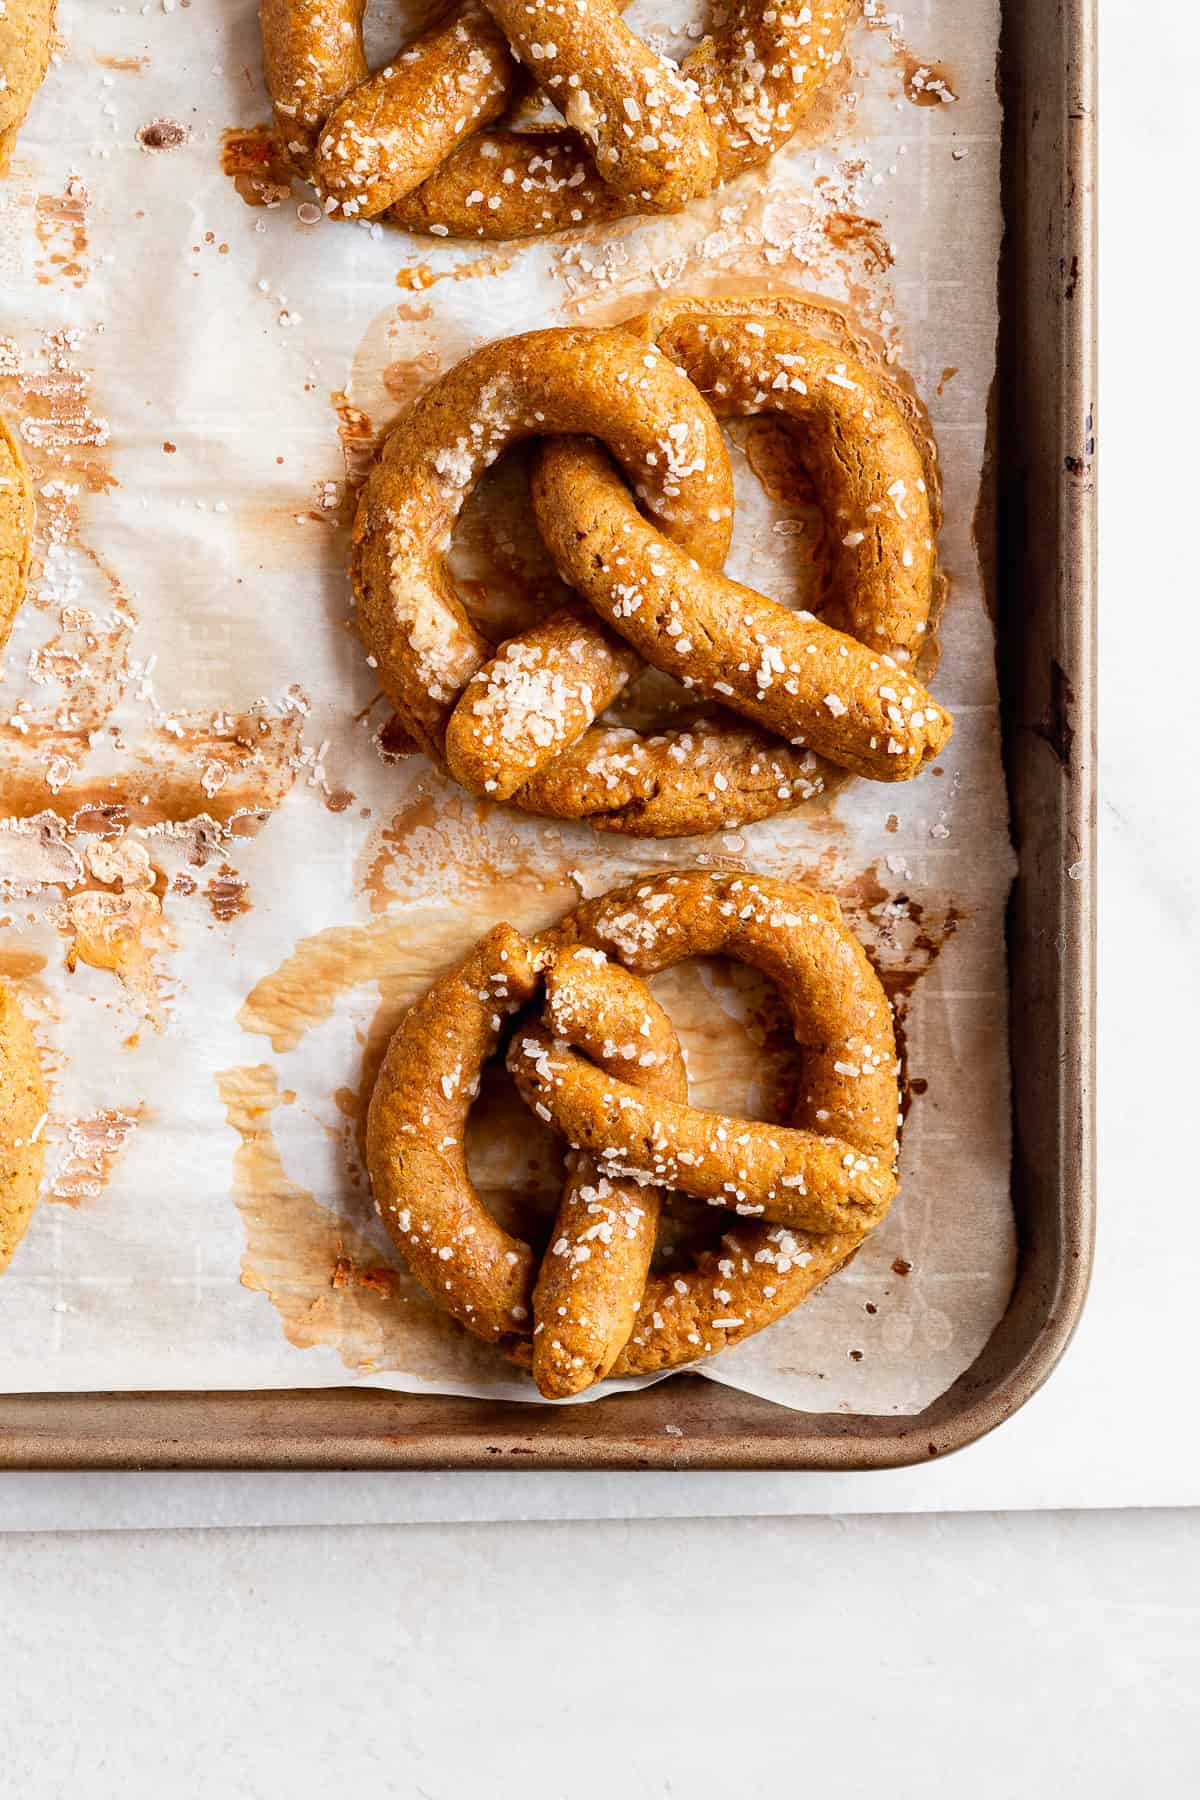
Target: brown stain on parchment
418 278
903 936
407 377
927 83
256 164
227 895
61 224
65 443
407 950
844 229
16 965
442 830
356 434
120 933
129 63
328 1281
158 135
757 236
95 1142
231 768
917 72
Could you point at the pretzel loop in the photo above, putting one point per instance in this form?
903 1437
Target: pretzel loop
600 382
415 139
519 723
603 1066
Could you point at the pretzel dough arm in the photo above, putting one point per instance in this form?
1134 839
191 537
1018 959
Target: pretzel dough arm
840 1014
592 1278
502 185
789 1176
536 696
815 687
759 1273
312 56
22 1115
760 72
415 1139
677 784
865 459
395 129
646 126
595 1269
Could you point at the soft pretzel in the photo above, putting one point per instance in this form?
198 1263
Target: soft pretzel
643 135
22 1116
518 723
25 30
16 529
600 382
602 1066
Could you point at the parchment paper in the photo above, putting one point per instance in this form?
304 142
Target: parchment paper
224 877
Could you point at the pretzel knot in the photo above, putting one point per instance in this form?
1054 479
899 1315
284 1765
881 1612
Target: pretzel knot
412 139
600 1062
16 529
636 508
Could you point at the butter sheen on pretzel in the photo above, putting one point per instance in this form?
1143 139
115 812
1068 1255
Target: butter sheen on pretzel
641 543
594 1306
422 139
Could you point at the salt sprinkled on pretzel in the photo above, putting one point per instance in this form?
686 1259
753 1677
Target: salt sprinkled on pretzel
602 1065
599 382
415 139
593 1275
520 723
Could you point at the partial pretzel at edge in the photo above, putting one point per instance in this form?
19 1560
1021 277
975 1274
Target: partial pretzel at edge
421 140
16 529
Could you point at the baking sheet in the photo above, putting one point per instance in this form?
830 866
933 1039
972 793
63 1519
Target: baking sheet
198 774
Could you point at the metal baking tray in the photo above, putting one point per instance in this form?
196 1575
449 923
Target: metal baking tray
1043 481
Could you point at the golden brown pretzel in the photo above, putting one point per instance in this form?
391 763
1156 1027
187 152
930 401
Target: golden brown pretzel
22 1117
25 31
16 529
832 1167
644 135
583 380
518 724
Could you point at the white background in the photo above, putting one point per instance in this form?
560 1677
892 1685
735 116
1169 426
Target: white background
960 1652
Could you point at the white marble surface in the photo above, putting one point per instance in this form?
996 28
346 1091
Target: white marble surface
983 1656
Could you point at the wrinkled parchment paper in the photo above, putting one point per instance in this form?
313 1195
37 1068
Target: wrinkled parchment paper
224 877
